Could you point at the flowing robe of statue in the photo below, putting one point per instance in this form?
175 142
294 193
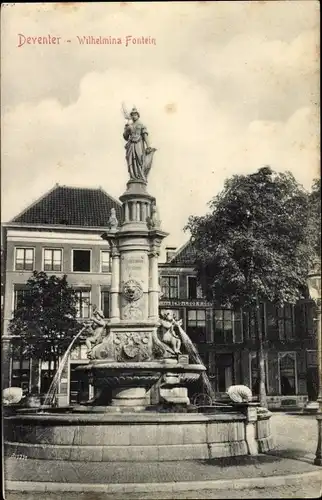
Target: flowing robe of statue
138 155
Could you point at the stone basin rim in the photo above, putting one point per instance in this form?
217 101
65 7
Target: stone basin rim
125 418
148 365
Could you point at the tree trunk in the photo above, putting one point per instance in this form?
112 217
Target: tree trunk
261 358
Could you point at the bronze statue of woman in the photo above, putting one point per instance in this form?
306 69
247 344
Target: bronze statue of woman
139 154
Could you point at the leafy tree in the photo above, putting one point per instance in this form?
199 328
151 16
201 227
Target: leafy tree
45 321
2 280
254 246
315 216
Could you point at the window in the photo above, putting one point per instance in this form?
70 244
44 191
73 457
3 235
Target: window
20 373
285 318
224 369
252 323
52 259
46 376
169 287
78 385
254 373
205 359
105 262
79 353
83 303
311 358
272 323
24 259
193 289
307 317
105 303
287 372
312 374
82 261
212 368
19 297
177 313
196 325
228 326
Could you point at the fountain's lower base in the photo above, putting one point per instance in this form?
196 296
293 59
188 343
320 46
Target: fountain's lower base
129 437
125 385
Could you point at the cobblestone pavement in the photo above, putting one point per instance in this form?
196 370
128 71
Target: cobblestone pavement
312 490
295 436
233 468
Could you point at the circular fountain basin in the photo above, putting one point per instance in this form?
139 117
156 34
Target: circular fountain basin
128 437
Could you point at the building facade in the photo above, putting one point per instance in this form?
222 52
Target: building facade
227 342
61 234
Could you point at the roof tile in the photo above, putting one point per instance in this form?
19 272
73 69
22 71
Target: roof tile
186 255
71 206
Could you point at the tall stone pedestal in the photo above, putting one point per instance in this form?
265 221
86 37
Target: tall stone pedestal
134 311
131 358
135 249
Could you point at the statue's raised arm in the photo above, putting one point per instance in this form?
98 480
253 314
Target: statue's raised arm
139 154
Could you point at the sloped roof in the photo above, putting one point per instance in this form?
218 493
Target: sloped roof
70 206
185 255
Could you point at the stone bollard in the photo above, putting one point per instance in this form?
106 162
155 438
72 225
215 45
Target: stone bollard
250 428
318 454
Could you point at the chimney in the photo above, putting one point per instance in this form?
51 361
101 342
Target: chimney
170 251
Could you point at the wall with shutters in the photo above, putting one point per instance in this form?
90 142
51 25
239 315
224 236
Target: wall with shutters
273 374
244 360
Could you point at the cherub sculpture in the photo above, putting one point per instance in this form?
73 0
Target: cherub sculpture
168 334
97 327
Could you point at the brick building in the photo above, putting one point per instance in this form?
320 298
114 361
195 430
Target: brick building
61 234
226 339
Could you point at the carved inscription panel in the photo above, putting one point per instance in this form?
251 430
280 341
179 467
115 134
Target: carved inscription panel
134 270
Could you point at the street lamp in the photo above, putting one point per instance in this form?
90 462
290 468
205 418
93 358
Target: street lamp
314 286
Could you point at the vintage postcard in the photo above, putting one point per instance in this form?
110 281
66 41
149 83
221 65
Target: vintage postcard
160 250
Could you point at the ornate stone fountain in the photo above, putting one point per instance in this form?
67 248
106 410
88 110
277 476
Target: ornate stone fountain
137 349
131 352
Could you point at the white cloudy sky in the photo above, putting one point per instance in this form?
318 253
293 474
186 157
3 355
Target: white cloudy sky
228 87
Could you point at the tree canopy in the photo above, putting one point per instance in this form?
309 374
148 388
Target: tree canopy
255 244
315 216
45 321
